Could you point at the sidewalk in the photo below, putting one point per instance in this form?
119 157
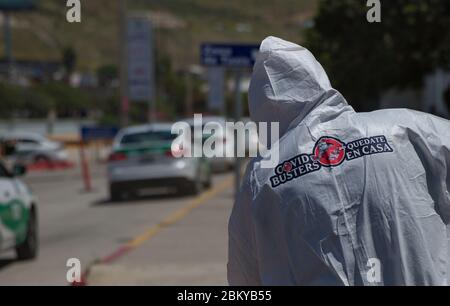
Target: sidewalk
190 251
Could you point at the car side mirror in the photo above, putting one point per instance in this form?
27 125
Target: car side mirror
19 170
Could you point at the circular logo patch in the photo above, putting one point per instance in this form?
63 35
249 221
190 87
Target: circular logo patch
287 167
329 151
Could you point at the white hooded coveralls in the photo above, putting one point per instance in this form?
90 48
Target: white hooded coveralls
351 190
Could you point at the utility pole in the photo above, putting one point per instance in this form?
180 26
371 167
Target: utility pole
8 44
124 101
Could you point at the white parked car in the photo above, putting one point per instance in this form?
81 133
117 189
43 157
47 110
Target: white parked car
18 214
224 139
33 147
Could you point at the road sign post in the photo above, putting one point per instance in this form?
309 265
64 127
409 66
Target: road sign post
237 57
216 96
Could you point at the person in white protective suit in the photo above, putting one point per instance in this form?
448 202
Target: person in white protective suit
356 198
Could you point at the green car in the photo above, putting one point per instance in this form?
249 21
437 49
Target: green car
18 214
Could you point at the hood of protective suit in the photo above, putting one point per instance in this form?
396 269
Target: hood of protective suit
350 199
287 83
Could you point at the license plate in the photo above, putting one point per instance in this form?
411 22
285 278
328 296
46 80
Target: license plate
147 159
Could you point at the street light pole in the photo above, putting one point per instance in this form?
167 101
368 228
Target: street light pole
124 101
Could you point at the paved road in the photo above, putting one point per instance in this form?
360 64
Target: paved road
174 240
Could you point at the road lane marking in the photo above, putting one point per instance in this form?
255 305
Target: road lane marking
152 232
180 213
169 220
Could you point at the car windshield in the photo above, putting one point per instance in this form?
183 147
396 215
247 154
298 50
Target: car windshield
147 137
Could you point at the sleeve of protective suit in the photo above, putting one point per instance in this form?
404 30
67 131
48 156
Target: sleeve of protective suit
242 260
431 135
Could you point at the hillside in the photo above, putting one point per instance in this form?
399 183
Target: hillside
181 25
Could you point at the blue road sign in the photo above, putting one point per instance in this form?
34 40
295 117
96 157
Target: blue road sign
98 132
15 5
228 55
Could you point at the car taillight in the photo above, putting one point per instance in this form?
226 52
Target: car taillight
179 151
117 157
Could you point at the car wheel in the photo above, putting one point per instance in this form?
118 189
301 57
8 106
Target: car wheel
192 188
29 248
115 195
208 182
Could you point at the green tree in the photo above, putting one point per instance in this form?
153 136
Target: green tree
36 104
364 59
447 97
11 100
109 110
66 101
69 60
107 74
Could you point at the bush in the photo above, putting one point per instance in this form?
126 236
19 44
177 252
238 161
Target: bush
36 102
67 101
